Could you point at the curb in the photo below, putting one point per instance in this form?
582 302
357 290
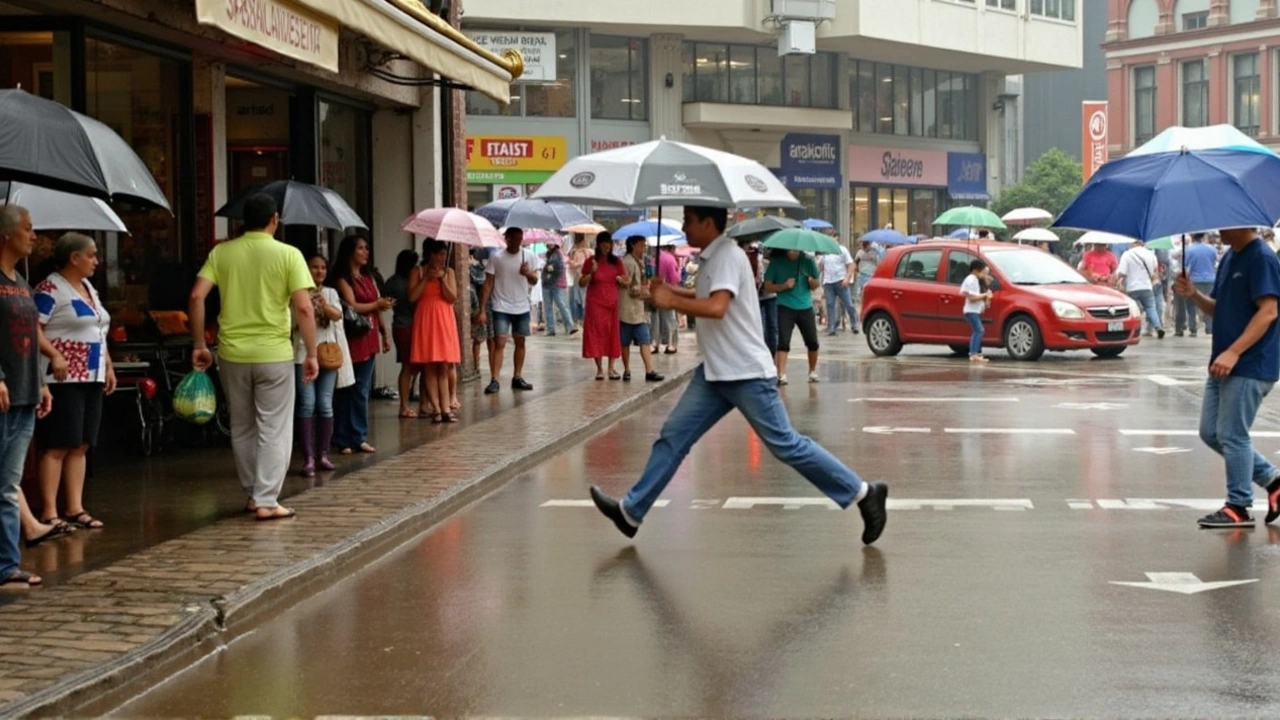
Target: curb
212 624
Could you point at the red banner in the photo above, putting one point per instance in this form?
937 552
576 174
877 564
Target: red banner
1093 120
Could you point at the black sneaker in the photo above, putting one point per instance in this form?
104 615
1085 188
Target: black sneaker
1273 501
874 515
492 388
654 376
626 376
611 509
1160 334
520 384
1229 516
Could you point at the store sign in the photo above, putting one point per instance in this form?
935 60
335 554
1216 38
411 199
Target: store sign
810 161
600 144
277 25
897 166
537 48
496 160
967 176
1094 119
507 192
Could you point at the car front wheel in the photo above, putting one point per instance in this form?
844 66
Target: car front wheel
1022 339
882 335
1109 351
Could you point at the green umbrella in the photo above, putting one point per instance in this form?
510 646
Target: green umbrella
802 240
1164 243
970 216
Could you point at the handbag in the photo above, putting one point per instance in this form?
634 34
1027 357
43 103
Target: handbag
329 354
353 323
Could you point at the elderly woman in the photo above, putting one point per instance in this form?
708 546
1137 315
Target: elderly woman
79 373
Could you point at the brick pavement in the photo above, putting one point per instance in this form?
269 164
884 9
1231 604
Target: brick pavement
109 632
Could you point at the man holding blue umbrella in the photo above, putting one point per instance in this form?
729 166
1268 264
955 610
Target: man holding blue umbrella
1243 367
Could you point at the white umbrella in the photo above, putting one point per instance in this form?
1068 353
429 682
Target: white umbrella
57 210
1097 237
454 225
1036 234
1026 216
666 173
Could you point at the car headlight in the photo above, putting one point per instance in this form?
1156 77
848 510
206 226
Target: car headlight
1134 310
1067 311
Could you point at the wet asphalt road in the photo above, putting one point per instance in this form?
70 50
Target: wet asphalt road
1020 494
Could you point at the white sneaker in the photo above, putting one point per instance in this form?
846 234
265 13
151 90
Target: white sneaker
782 379
813 377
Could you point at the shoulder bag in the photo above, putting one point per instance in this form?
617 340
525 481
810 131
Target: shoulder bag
353 323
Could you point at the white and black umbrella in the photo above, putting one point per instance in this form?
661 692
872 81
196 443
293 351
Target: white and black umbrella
46 144
663 172
58 210
299 204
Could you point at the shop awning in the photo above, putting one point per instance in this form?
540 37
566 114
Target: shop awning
407 28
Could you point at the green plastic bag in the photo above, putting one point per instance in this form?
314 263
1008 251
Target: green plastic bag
195 399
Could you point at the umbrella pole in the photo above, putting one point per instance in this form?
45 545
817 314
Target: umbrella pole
1184 254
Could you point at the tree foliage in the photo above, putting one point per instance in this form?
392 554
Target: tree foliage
1050 183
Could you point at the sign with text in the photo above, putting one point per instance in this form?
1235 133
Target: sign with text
277 25
537 48
967 176
507 153
810 161
1094 132
897 166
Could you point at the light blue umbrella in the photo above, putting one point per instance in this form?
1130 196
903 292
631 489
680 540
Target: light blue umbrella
1214 137
961 234
649 230
887 237
817 224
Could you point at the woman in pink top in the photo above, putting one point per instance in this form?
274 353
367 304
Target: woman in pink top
663 322
1098 265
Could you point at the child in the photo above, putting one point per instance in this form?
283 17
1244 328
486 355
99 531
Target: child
976 299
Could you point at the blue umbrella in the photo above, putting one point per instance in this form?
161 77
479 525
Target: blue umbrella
961 234
533 214
816 224
887 237
649 230
1151 196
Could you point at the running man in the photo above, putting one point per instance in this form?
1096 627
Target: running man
737 372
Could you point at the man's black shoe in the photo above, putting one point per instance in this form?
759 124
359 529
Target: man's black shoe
1229 516
520 384
1160 334
612 510
1273 501
492 388
654 376
874 514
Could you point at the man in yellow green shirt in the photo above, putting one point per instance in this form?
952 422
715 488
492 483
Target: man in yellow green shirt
258 278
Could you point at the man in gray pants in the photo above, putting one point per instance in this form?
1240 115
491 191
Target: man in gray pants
259 278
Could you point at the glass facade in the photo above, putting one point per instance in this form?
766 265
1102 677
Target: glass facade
1144 104
344 154
555 99
900 100
1246 86
1057 9
619 71
1195 94
908 210
751 75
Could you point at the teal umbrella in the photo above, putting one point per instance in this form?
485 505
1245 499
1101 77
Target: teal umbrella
970 216
802 240
1164 243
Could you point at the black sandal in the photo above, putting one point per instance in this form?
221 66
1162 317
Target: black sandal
84 520
59 529
22 577
449 418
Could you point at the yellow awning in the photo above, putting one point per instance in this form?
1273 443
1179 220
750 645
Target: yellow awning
407 28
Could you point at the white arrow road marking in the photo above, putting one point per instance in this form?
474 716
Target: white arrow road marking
1169 504
1091 406
794 503
588 503
935 400
1162 450
1009 431
886 430
1168 381
1193 433
1183 583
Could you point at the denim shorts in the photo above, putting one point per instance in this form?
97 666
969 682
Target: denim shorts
637 334
510 324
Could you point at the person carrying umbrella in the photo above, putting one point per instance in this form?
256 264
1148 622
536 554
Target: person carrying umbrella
794 276
737 372
1244 365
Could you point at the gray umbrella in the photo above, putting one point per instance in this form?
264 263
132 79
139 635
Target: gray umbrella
57 210
533 214
299 204
761 226
46 144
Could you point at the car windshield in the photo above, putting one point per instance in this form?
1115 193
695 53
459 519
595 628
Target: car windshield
1022 267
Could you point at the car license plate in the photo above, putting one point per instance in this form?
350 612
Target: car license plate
1115 326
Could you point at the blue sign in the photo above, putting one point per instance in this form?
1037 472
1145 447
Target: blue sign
967 176
811 161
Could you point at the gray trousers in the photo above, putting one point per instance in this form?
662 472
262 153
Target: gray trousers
662 323
260 397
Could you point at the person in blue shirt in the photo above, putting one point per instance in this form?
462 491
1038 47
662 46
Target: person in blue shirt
1243 367
1198 262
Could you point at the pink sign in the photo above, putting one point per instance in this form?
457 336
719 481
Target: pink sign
897 166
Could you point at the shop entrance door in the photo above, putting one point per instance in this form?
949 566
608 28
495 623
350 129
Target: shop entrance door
249 166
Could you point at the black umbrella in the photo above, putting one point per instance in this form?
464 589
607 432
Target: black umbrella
761 226
45 144
300 204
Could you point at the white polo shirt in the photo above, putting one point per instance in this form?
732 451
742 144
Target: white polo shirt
732 347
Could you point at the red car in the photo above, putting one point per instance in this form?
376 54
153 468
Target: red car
1041 303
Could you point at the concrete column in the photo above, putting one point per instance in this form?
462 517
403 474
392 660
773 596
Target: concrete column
209 97
1266 9
1267 93
1219 13
990 132
1117 20
392 203
1167 90
666 104
1119 134
1218 73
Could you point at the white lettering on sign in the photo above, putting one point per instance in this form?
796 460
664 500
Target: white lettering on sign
815 152
970 171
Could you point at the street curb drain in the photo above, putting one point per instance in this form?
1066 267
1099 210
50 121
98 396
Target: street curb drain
212 624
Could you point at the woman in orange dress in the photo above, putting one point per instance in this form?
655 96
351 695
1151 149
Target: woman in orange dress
434 287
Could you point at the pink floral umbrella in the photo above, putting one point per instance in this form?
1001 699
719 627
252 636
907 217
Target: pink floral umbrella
454 225
536 237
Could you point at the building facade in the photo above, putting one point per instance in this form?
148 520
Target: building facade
890 121
1192 63
217 96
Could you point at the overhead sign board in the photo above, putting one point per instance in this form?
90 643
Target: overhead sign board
537 48
277 25
1094 132
497 159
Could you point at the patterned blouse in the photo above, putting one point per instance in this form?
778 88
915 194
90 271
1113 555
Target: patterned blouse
78 329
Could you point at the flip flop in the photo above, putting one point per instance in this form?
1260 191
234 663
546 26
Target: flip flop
599 376
614 376
22 577
84 520
289 512
408 414
59 529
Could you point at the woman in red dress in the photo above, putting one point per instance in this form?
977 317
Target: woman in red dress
434 287
602 275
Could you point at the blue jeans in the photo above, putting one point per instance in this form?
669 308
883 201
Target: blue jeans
1146 299
316 397
577 301
351 412
702 406
16 428
860 283
1230 406
834 291
769 319
975 335
554 300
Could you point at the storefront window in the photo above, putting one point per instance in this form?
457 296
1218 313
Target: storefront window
751 75
818 203
556 99
618 72
908 210
137 95
38 62
344 154
860 211
899 100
